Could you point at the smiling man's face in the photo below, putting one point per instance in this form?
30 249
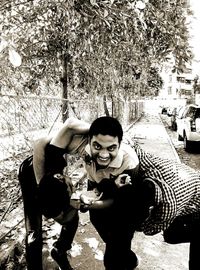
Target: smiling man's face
104 148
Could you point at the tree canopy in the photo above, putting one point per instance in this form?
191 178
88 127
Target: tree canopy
112 47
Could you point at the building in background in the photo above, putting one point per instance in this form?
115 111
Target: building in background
185 85
178 87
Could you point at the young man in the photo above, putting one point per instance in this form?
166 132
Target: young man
169 200
47 192
109 164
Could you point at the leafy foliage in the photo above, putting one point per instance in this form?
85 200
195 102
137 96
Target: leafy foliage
93 46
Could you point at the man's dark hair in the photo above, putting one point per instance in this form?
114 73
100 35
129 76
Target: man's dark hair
106 125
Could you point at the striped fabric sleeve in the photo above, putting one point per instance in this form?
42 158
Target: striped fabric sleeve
180 186
164 209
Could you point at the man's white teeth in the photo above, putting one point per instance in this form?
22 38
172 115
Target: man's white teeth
103 159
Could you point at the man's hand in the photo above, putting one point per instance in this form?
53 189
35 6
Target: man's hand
90 196
84 207
69 184
123 180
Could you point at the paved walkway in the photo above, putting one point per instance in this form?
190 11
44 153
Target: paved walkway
153 253
152 136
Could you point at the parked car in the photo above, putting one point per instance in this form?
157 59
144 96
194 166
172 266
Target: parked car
188 125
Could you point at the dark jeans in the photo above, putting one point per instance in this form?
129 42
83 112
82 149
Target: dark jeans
194 262
33 219
186 229
115 227
68 231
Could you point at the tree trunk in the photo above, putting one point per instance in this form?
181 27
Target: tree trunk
64 80
115 108
105 106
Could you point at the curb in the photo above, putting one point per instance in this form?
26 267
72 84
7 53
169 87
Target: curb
170 142
130 126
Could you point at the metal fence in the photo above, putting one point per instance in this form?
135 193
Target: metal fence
24 119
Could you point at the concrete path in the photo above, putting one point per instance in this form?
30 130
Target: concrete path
152 251
152 136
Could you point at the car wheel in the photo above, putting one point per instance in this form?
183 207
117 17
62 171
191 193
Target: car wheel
187 144
180 138
174 126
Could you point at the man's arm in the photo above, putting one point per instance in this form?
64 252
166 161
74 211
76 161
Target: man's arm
71 127
63 139
101 204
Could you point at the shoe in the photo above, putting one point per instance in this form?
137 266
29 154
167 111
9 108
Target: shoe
132 261
61 259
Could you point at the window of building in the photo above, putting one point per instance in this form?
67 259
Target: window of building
188 81
180 79
169 90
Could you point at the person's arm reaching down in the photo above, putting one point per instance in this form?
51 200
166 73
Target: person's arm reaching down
63 139
71 127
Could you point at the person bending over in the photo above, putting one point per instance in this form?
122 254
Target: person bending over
47 192
168 200
112 173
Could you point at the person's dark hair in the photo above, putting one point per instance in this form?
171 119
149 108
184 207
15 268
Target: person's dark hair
53 195
106 125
